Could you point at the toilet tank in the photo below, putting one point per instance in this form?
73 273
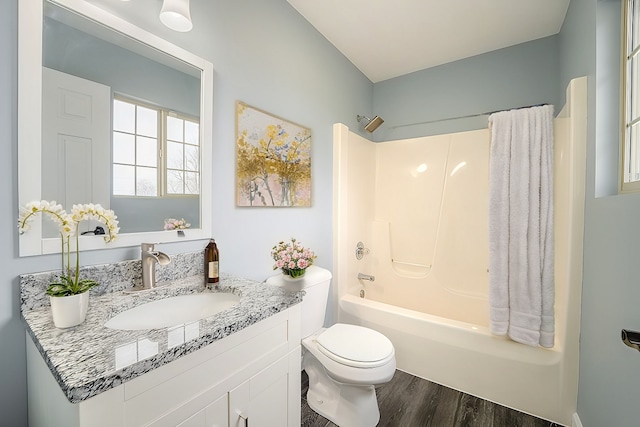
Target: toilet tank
315 283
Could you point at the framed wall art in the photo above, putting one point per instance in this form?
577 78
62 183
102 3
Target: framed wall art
273 160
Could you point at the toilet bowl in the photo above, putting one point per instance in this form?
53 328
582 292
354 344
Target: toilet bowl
344 362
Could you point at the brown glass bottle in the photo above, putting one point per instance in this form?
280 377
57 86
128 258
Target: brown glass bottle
211 259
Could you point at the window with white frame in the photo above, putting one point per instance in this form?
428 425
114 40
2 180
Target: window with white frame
631 82
156 152
183 156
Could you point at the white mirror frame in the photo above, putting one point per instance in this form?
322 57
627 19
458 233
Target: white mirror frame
30 20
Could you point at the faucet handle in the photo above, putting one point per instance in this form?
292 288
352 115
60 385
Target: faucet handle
146 247
361 251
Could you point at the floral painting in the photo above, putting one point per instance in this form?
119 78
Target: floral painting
273 160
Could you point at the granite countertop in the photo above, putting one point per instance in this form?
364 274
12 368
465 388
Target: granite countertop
90 358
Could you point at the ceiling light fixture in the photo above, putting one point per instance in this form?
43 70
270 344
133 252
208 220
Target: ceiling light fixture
175 15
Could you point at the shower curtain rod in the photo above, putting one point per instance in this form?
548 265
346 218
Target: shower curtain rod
468 116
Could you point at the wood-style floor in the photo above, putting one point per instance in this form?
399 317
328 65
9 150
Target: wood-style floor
409 401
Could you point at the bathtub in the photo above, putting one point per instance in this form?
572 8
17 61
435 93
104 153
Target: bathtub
430 293
466 357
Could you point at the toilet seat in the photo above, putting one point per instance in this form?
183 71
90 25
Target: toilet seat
341 369
355 346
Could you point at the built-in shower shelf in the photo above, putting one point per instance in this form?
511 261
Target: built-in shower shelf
412 264
410 269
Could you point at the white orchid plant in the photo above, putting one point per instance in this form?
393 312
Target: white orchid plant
70 282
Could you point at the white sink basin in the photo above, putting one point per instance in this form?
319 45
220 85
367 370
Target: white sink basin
173 311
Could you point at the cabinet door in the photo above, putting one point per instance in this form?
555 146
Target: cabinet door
262 400
217 414
214 415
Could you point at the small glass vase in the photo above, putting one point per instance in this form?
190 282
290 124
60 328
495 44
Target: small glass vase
293 274
70 310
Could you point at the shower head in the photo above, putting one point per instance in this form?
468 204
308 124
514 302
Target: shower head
372 124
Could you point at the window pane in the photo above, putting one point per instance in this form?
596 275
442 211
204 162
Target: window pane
175 182
123 180
147 122
124 148
174 129
633 164
140 135
147 151
146 181
175 158
191 183
191 158
191 133
124 116
634 89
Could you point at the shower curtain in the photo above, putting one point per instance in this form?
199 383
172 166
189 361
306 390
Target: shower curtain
521 277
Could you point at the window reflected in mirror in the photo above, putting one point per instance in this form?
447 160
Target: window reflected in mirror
140 135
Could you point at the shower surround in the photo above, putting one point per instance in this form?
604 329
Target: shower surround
420 207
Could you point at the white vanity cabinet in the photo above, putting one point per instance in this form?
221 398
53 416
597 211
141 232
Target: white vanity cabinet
252 375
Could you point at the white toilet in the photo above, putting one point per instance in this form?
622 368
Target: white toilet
344 362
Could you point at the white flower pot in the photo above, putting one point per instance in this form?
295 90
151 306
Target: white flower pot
70 310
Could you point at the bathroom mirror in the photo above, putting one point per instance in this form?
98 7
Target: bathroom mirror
174 82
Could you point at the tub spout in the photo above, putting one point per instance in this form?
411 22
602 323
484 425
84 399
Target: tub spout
366 277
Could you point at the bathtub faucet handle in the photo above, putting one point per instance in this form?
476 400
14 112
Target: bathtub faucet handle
361 251
366 277
631 338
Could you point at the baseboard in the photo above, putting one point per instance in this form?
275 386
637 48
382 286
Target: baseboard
575 420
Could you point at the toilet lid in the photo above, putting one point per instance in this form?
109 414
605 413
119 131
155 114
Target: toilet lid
355 345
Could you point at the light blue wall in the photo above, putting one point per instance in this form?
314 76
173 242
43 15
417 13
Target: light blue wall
608 105
609 373
526 74
12 352
265 54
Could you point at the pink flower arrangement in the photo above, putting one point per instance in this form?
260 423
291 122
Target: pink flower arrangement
292 258
176 224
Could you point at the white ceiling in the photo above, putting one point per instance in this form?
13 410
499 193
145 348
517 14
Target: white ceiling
390 38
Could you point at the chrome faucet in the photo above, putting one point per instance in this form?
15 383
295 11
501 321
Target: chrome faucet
149 259
366 277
